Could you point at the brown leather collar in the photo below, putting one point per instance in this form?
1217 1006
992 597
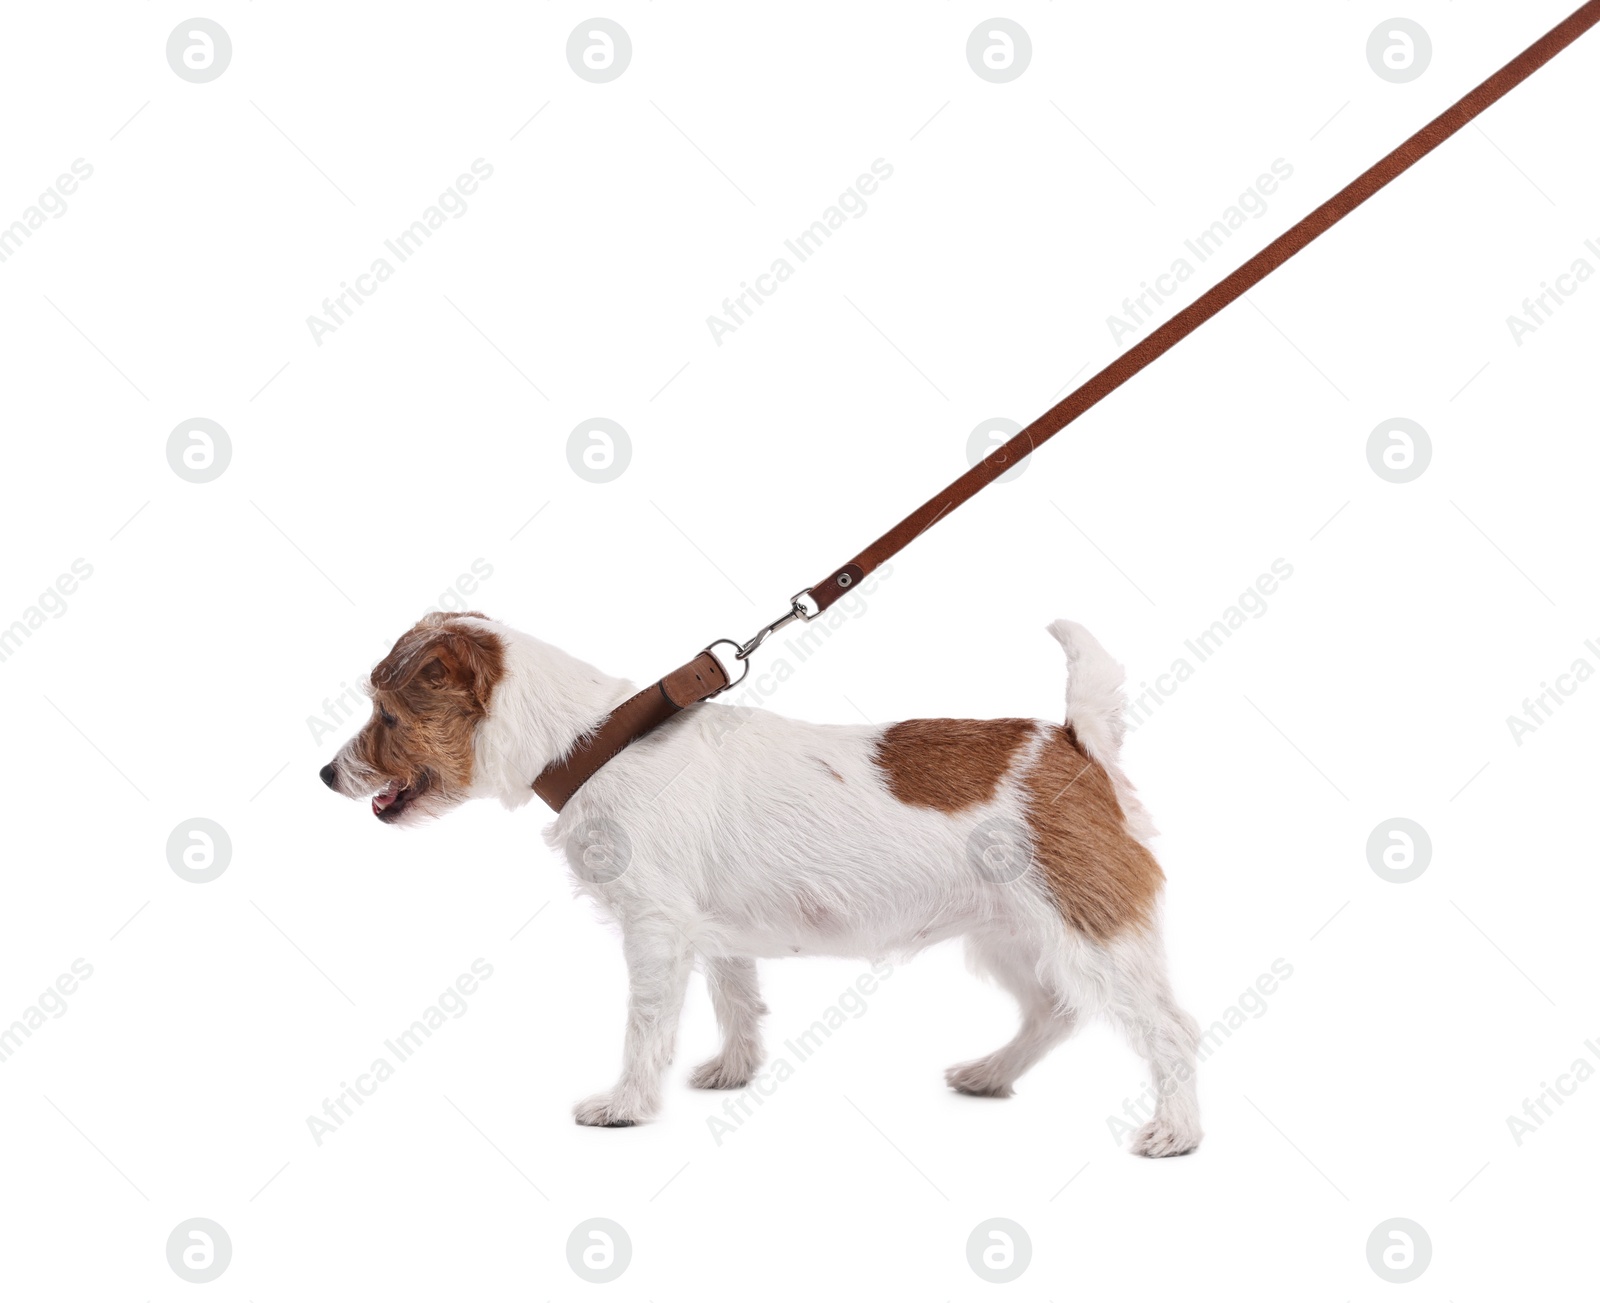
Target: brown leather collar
701 678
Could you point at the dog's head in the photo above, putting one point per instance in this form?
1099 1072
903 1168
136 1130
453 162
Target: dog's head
414 757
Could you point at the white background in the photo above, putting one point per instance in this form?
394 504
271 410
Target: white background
371 470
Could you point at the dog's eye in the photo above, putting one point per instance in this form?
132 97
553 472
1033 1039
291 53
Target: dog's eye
389 720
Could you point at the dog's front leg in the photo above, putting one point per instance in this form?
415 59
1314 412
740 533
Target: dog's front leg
659 960
736 996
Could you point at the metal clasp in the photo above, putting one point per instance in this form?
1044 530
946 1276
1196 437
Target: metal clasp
796 612
743 651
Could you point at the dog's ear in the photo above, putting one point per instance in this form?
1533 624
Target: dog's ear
442 655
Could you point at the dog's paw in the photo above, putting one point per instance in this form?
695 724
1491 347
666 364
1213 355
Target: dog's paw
977 1078
604 1110
1159 1138
721 1074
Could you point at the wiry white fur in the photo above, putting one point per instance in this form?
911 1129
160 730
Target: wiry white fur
1094 691
743 835
546 701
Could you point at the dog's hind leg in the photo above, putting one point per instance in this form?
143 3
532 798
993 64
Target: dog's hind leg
659 961
1140 1001
736 996
1046 1019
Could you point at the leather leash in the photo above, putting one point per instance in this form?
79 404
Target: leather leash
706 675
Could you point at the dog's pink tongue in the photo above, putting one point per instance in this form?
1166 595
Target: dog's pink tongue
384 799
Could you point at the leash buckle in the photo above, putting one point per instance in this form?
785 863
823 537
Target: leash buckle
725 662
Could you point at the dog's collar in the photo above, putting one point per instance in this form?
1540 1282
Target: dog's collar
702 677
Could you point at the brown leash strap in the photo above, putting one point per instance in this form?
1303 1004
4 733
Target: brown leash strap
705 676
1147 350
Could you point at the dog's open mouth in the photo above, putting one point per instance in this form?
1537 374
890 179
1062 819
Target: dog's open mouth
388 803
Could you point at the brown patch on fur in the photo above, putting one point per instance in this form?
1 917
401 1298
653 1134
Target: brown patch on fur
434 686
832 772
1104 880
949 764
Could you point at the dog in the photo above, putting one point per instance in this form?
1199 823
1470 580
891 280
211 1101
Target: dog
731 834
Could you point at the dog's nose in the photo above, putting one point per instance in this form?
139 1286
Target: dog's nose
328 776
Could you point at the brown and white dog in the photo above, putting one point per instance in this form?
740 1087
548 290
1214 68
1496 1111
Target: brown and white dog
731 834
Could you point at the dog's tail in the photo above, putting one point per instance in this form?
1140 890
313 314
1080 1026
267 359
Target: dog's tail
1095 699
